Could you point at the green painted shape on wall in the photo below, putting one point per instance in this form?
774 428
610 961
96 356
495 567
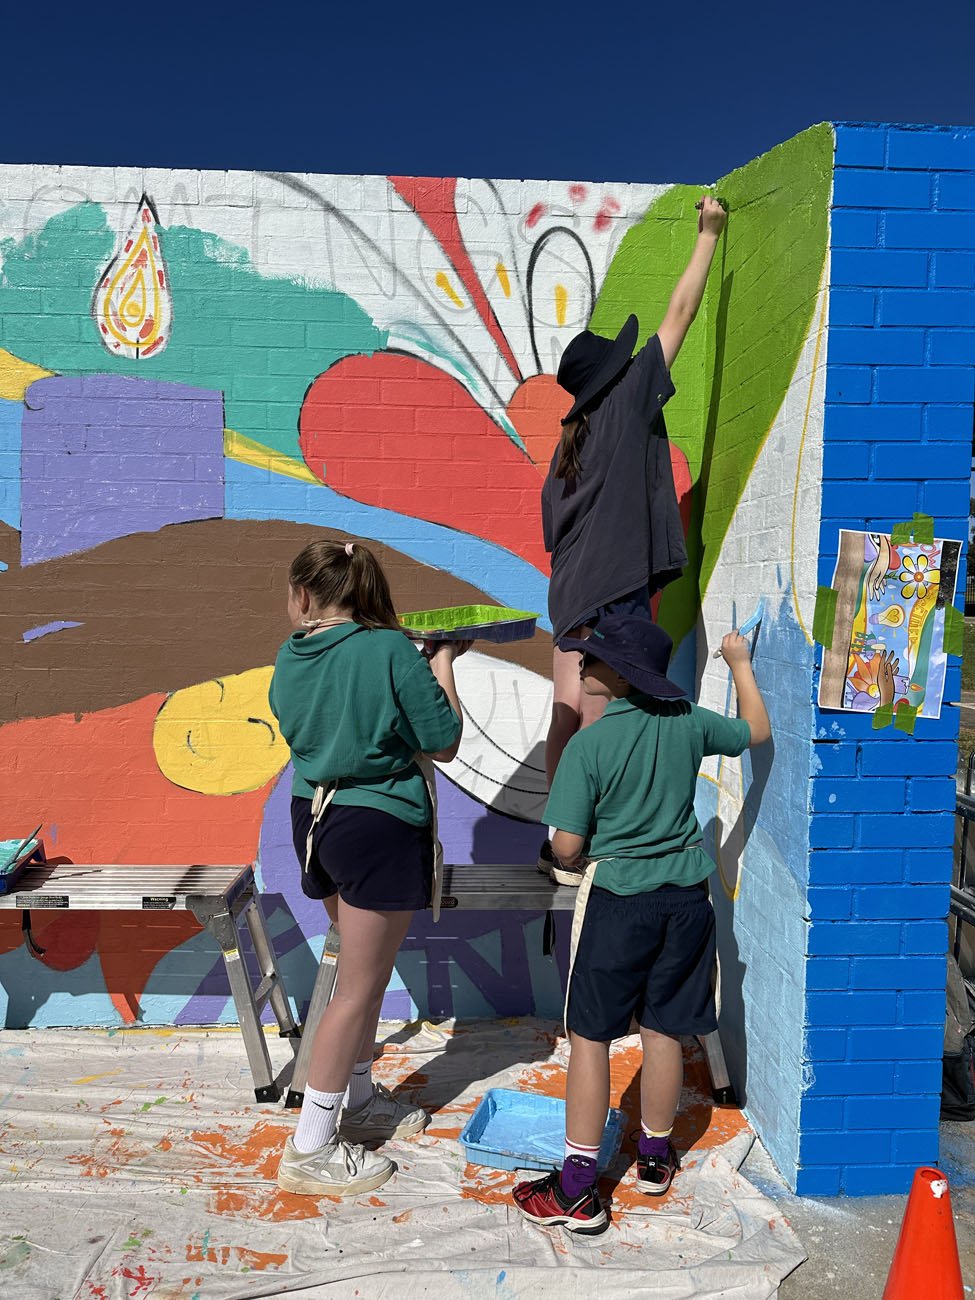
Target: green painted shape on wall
260 341
740 355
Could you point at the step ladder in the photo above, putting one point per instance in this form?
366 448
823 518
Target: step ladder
481 888
222 898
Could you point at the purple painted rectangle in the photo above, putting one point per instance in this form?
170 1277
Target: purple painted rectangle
106 456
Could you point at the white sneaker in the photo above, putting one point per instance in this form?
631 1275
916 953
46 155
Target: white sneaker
383 1117
571 876
336 1169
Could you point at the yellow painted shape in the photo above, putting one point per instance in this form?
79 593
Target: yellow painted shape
561 300
16 376
220 737
91 1078
443 283
137 288
503 279
249 452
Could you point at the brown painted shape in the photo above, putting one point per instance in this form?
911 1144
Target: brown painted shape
164 610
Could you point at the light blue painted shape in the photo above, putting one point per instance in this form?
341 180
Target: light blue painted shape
10 418
252 493
45 629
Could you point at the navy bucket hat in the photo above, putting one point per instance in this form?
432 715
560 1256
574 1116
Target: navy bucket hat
590 363
636 648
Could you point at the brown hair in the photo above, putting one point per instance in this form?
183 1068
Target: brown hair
349 576
569 464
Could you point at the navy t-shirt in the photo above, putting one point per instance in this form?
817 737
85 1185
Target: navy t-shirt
616 527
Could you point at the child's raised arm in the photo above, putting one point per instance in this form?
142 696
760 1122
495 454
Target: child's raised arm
751 706
689 290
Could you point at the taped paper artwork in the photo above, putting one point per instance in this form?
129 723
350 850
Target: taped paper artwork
889 632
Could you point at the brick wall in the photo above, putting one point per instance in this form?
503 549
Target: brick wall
897 439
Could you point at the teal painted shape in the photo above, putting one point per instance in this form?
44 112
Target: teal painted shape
260 341
10 417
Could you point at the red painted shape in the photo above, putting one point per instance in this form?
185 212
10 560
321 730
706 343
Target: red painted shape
577 193
536 411
422 447
535 214
434 199
607 210
96 779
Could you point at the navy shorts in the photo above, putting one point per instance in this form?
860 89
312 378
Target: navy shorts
634 603
649 955
371 859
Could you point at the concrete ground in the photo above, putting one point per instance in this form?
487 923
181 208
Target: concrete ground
850 1242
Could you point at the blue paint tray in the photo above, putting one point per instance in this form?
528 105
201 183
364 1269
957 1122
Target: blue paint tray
14 857
518 1130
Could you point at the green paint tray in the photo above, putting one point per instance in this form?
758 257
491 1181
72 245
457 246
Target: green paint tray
470 623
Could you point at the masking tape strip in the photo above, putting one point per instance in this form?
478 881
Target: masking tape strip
883 716
954 630
824 616
920 530
905 718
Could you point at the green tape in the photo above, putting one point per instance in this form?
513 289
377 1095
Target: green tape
920 529
883 716
824 616
954 631
905 718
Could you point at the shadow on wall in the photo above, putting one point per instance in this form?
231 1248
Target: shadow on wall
731 969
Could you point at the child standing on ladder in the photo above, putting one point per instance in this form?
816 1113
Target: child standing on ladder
643 932
609 509
363 713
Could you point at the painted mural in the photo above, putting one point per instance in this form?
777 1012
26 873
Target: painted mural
889 629
200 372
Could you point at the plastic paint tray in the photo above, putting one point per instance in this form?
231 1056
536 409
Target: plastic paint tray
471 623
14 864
518 1130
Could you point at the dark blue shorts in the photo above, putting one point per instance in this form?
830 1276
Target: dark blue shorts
371 859
649 955
634 603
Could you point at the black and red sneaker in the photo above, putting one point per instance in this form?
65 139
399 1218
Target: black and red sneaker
543 1202
653 1175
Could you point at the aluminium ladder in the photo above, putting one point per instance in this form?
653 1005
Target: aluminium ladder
220 897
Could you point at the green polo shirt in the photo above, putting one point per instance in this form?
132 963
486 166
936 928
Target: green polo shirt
355 705
627 782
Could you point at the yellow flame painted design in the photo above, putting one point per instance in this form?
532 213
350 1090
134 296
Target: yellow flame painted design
444 283
561 300
503 279
132 304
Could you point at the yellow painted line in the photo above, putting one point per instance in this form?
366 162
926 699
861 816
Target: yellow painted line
503 279
561 300
91 1078
802 443
249 452
444 283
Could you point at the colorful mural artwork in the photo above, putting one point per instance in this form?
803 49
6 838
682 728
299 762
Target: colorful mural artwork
277 358
889 629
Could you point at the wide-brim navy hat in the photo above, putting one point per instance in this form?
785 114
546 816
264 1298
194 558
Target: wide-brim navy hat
636 648
590 363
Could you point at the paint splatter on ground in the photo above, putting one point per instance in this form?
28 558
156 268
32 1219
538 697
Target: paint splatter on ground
152 1170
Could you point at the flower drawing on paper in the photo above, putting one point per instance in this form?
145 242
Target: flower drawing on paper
916 577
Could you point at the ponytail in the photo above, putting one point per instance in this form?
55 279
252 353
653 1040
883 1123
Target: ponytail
349 576
574 432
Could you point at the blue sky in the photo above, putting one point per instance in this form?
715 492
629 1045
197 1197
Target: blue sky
621 91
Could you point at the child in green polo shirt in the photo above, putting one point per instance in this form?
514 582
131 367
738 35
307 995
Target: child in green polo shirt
363 712
643 934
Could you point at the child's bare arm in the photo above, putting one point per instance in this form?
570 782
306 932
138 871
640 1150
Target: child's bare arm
687 295
751 706
567 847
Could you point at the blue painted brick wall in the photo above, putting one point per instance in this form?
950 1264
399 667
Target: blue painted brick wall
898 438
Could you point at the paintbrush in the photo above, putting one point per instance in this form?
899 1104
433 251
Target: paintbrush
749 625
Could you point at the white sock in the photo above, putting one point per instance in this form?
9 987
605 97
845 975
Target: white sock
576 1149
360 1085
317 1121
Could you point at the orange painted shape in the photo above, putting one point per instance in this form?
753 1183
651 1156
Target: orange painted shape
536 411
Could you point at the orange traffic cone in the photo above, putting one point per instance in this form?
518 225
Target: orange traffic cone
925 1262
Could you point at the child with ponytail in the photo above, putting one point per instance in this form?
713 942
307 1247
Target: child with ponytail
363 713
